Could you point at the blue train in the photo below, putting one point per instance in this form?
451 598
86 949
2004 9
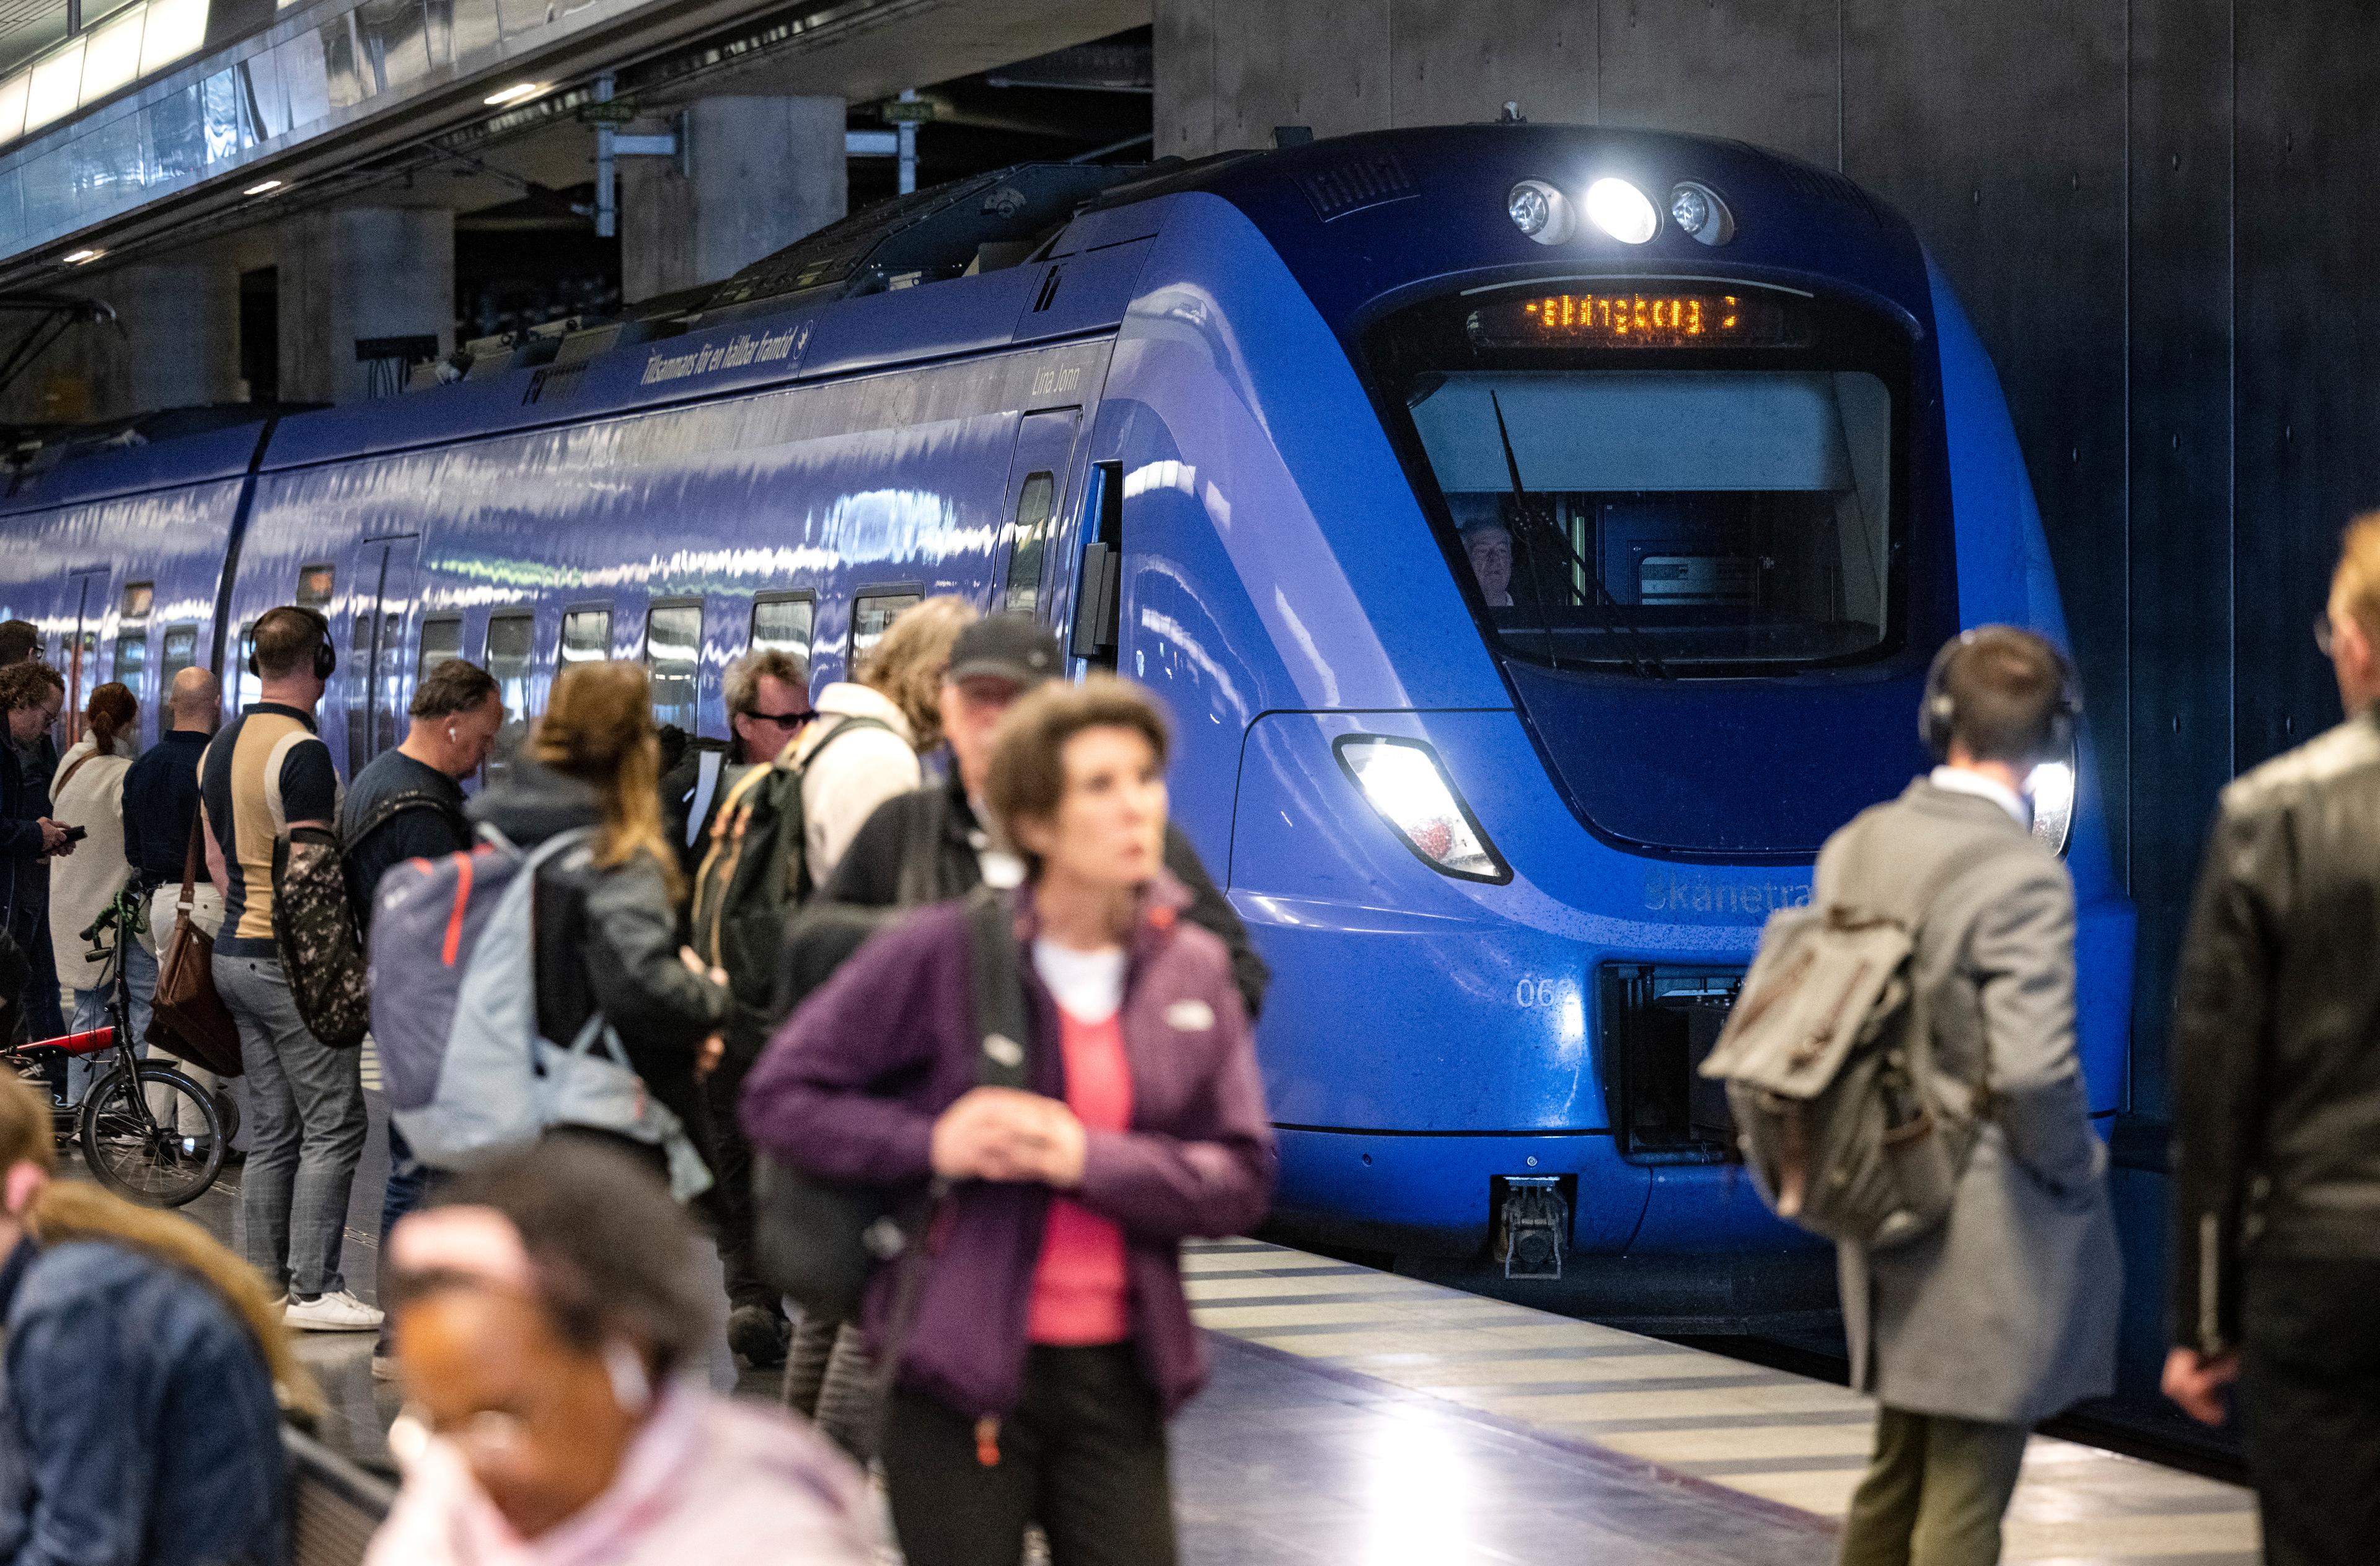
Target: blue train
1538 533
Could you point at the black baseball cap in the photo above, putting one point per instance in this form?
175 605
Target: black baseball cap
1004 647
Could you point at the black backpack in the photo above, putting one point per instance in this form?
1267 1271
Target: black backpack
754 875
819 1241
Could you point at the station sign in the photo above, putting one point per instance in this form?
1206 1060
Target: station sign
615 111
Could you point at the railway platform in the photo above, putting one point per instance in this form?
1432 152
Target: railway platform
1359 1416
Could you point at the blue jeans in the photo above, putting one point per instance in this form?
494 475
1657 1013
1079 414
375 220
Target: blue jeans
307 1127
91 1012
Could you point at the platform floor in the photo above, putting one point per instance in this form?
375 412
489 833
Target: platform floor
1357 1417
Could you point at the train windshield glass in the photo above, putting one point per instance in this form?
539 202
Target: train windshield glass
1658 517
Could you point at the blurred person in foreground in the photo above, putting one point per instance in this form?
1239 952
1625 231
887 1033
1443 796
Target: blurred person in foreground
1051 1340
550 1332
146 1372
2277 1112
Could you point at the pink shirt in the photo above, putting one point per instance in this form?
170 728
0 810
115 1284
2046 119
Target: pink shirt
1080 1296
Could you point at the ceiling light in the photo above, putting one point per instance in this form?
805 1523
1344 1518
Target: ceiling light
518 92
266 189
1621 210
80 258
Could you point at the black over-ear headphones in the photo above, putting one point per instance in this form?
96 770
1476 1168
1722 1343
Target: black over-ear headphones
327 657
1937 714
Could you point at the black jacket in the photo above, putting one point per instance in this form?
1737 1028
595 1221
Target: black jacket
924 847
607 939
2276 1030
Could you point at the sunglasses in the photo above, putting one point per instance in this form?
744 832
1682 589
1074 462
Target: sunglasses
783 720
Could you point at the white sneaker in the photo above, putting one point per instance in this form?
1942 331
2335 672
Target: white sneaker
341 1312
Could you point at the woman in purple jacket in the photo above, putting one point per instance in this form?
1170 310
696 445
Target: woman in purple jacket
1052 1339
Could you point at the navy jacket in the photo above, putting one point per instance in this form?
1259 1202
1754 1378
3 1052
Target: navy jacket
138 1426
161 799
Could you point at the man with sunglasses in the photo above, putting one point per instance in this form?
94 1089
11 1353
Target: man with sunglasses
767 703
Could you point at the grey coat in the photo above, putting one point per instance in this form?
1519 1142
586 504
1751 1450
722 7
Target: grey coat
2008 1312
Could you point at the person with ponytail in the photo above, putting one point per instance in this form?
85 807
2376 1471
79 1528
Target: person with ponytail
606 920
146 1375
89 792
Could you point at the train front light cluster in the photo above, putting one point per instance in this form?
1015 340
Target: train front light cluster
1401 779
2051 788
1620 209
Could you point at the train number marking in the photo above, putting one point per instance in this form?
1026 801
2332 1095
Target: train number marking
1532 993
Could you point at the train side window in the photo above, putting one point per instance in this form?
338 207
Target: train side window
587 635
132 639
441 640
251 687
1026 541
871 615
314 583
782 625
510 639
673 661
181 652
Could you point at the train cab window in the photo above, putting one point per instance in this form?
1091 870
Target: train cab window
673 661
510 639
314 583
782 625
441 640
587 635
181 652
871 615
1027 540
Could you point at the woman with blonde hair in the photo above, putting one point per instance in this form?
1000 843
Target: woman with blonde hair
606 914
862 746
146 1374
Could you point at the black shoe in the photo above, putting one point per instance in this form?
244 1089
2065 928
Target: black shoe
757 1335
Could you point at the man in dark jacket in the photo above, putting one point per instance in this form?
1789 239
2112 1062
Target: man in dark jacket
31 694
929 846
768 696
2277 1073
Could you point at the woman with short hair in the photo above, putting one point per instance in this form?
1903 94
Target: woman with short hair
550 1328
1051 1338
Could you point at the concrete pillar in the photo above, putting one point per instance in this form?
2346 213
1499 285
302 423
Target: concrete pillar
759 173
354 274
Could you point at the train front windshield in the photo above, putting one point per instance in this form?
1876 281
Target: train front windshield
1665 503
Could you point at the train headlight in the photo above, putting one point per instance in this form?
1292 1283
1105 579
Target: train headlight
1697 210
1402 781
2051 788
1541 211
1622 210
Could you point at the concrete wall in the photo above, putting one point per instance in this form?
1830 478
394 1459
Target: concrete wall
2155 211
354 272
174 342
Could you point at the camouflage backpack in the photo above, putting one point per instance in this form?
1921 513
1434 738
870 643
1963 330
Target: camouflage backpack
314 933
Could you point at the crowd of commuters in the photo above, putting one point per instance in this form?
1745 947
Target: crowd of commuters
545 1313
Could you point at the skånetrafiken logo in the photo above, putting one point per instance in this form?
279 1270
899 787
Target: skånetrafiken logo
1672 891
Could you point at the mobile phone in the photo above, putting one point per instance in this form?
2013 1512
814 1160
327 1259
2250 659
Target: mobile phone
75 834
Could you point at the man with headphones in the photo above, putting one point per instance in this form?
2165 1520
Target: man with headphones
265 772
2006 1314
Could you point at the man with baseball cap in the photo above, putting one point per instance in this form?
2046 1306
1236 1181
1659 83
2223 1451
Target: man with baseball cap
929 846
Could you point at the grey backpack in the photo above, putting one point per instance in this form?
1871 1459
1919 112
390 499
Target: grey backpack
1829 1063
454 987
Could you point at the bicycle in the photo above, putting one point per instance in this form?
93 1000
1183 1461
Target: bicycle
131 1118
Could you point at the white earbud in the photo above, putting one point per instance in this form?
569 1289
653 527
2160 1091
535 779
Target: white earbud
632 1389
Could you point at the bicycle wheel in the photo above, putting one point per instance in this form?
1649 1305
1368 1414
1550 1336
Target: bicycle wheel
140 1154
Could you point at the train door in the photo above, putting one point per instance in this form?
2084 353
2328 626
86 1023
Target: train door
1098 619
375 666
87 591
1037 500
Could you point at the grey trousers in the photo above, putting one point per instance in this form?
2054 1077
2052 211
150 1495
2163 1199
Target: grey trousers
1935 1492
306 1130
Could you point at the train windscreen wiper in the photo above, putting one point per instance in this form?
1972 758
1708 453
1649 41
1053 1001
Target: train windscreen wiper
1609 614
